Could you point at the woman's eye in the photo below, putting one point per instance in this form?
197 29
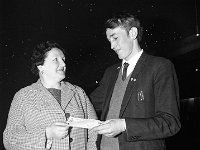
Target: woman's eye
115 38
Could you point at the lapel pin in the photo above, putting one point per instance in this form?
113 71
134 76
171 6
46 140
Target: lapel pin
133 79
140 96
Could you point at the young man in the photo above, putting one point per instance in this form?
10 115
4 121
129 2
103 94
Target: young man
139 101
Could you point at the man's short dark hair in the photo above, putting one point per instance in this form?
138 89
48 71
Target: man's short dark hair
126 21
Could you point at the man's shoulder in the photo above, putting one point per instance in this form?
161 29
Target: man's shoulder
114 67
157 59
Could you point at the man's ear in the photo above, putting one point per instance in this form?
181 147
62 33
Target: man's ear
133 32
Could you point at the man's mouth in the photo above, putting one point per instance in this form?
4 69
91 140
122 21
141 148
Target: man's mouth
117 51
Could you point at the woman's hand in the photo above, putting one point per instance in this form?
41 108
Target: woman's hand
58 130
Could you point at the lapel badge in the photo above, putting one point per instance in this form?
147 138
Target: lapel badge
140 96
133 79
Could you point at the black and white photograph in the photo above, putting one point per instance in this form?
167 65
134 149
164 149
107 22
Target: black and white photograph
100 74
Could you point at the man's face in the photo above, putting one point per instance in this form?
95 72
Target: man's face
120 42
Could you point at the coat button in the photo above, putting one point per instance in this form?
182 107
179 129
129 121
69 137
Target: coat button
70 140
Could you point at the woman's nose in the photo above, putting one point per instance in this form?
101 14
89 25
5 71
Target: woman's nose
62 62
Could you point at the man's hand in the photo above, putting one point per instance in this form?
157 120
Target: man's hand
57 130
111 128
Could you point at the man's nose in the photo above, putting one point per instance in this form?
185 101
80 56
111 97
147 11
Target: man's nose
112 45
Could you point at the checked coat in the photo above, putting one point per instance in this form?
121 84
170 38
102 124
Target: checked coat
34 108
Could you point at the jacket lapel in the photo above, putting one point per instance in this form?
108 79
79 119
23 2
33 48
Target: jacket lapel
47 100
132 81
67 94
50 102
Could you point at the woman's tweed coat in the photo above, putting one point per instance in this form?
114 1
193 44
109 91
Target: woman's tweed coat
34 108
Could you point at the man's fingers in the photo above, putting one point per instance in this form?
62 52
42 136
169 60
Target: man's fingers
101 127
104 132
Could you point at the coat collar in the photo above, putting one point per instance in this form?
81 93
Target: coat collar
67 94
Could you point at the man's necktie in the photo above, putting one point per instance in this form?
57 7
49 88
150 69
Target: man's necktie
124 71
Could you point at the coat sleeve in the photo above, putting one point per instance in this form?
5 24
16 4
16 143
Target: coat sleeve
15 136
166 120
89 114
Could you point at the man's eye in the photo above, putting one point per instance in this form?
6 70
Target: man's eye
115 38
55 59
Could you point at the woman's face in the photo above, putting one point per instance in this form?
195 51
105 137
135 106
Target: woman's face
54 66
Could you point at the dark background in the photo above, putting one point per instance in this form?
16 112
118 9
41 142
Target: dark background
171 29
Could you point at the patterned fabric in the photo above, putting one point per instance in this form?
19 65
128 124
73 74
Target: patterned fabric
34 108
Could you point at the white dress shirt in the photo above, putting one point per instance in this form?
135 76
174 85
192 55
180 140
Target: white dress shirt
132 62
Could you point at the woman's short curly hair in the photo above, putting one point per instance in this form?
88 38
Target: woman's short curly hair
40 52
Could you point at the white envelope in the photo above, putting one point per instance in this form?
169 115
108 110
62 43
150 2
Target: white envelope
83 123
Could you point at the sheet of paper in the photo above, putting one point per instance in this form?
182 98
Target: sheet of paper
83 123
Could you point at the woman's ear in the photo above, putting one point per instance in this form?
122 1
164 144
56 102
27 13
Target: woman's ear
40 68
133 32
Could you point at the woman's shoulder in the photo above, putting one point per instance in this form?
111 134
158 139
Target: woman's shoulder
72 86
28 90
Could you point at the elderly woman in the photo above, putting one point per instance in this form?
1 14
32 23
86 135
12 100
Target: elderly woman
37 117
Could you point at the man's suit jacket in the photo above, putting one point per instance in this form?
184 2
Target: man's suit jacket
150 105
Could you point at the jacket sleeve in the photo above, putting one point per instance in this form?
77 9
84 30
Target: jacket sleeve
98 95
166 121
15 136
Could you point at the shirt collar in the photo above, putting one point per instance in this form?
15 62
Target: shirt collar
134 59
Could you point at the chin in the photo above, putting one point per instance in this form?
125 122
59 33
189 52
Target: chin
120 57
61 77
